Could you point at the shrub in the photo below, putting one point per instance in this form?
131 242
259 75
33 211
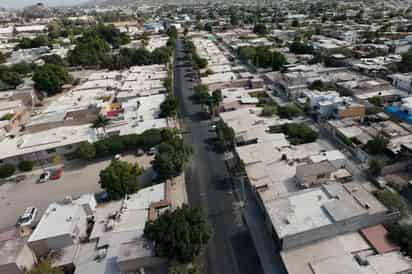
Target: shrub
7 170
300 133
26 165
268 110
391 200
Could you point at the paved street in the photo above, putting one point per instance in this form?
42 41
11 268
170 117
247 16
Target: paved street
231 249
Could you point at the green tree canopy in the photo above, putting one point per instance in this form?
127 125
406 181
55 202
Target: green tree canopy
180 234
299 47
169 106
120 178
289 111
86 151
50 78
260 29
26 165
377 145
91 49
375 166
183 269
38 41
392 200
172 157
46 268
6 170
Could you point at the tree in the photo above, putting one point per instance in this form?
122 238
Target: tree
172 32
46 268
268 110
54 59
11 78
375 167
295 23
300 133
112 35
101 122
289 111
406 63
391 200
179 235
172 157
120 178
226 134
3 57
183 269
234 19
260 29
402 236
50 78
90 50
376 100
168 107
6 170
86 151
377 145
246 53
298 47
25 165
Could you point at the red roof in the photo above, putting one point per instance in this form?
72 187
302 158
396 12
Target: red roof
377 237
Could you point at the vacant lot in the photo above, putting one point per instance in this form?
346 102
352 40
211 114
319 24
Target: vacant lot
77 179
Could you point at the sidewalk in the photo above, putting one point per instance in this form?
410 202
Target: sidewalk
265 245
178 191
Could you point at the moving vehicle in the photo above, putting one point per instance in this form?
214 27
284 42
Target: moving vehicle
28 218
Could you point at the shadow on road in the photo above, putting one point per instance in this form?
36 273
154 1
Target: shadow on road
245 253
199 116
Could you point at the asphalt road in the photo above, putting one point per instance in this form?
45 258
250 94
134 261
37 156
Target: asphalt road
230 249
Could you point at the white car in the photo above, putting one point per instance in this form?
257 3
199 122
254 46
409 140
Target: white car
117 157
152 151
44 177
28 218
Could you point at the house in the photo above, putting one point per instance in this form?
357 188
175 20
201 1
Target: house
304 217
351 253
15 255
115 242
62 225
402 81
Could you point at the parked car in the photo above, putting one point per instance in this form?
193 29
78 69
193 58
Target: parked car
117 157
28 218
18 178
56 174
140 152
152 151
44 177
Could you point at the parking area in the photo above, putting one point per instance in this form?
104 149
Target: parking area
77 179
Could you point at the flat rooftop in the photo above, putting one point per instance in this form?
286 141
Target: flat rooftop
337 256
318 207
58 219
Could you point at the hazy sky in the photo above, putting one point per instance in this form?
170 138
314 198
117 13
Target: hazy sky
23 3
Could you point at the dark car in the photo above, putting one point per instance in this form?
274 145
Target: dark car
18 178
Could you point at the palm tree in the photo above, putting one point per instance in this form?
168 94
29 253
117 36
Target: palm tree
101 122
